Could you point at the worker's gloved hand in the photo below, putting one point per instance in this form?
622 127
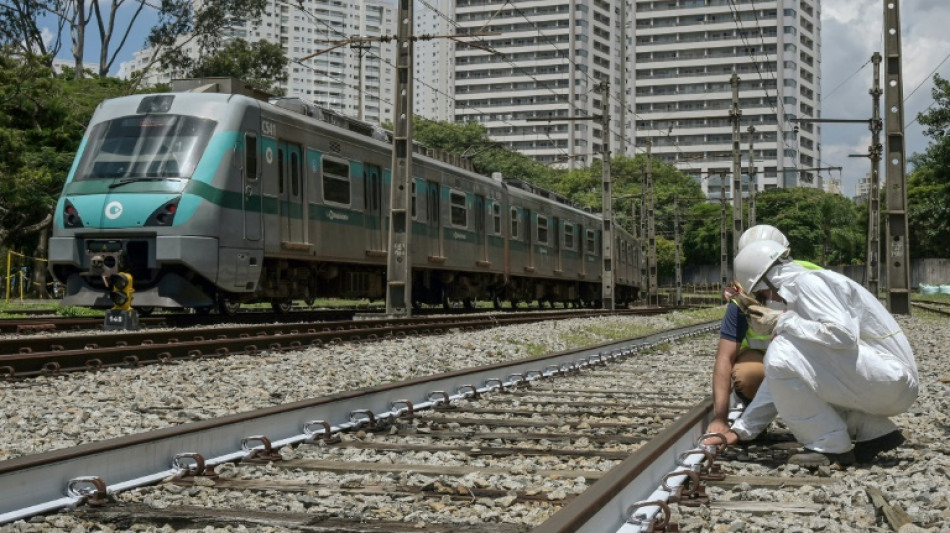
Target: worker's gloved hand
762 320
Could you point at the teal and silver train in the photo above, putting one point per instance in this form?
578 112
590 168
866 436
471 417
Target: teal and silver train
213 199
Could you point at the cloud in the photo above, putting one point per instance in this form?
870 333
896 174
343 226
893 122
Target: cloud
851 32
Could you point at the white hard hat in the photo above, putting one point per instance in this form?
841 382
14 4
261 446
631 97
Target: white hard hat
755 260
762 232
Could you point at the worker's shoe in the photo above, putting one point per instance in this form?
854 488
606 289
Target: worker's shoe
813 459
866 451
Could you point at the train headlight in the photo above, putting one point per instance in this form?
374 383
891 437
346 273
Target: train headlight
164 215
121 294
71 218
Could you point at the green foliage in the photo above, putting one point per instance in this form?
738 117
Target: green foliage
928 186
42 121
820 227
262 64
180 23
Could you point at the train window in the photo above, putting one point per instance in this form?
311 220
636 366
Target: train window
496 218
145 146
459 209
295 173
569 236
250 156
336 181
591 241
514 223
542 230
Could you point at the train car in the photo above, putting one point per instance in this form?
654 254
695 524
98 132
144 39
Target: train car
213 199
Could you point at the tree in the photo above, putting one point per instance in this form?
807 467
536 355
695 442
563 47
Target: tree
42 121
820 226
260 64
179 23
19 33
928 185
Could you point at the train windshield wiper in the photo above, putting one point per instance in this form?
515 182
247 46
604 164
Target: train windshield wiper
126 181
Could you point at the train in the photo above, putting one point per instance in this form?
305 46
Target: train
211 197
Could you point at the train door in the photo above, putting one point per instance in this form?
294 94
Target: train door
433 213
481 238
290 188
582 247
373 207
529 237
251 202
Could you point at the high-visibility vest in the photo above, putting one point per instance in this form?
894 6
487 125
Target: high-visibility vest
761 342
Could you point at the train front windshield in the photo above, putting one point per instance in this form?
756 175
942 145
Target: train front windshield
145 146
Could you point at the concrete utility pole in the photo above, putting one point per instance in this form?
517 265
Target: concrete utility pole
399 260
676 246
898 247
874 192
651 229
644 267
736 114
607 284
360 45
752 178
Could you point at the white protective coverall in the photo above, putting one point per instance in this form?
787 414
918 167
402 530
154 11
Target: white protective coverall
839 364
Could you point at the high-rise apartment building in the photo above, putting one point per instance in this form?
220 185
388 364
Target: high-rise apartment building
685 54
355 79
434 60
538 59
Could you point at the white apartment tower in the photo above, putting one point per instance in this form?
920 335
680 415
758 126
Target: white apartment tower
685 54
539 59
434 73
355 79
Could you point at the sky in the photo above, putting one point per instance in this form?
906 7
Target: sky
851 30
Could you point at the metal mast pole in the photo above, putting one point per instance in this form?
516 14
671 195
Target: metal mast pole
724 255
651 228
644 267
874 192
607 283
898 247
677 245
752 179
736 114
399 258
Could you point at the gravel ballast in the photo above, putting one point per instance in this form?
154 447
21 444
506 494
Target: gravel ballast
50 413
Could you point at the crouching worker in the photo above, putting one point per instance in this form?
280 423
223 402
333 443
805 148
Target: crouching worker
838 365
738 368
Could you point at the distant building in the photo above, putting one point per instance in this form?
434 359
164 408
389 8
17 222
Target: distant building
686 52
542 60
59 65
337 79
862 189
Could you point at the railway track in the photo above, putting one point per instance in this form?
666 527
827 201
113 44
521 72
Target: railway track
934 307
467 424
569 442
42 354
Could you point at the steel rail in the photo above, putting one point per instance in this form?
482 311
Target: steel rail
66 478
52 355
606 506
